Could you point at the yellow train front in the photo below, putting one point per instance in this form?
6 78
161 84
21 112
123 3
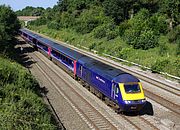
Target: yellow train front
129 94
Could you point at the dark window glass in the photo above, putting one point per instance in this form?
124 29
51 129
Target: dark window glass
132 88
43 46
55 54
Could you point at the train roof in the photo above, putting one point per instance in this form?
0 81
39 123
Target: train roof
62 49
107 71
55 46
100 68
68 52
30 33
46 41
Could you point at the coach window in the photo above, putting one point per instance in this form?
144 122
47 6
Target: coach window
45 48
60 56
63 57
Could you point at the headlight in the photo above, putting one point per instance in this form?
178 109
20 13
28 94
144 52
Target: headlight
143 100
127 102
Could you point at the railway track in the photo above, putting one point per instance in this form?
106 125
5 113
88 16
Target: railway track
140 123
92 117
164 102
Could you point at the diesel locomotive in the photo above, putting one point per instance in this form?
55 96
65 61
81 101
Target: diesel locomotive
116 87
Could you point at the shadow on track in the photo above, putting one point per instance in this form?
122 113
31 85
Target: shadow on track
146 110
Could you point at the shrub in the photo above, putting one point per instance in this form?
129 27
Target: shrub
90 19
163 48
53 25
124 53
146 40
66 20
122 27
92 46
108 30
144 30
40 21
111 34
100 31
178 48
159 65
174 35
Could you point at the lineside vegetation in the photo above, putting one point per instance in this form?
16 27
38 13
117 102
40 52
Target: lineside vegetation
21 104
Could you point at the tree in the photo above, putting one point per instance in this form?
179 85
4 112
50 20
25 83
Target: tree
9 24
142 33
114 9
31 11
171 9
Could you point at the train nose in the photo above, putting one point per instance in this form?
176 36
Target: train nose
134 105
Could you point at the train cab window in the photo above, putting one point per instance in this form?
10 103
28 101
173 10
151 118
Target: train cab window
132 88
117 90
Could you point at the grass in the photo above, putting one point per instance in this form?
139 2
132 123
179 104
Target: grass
151 58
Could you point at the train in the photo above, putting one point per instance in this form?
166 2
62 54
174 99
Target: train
117 88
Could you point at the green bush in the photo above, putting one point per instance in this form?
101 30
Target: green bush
163 48
108 30
90 19
53 25
174 35
146 40
66 20
158 23
100 31
40 21
178 48
144 30
9 24
112 34
159 65
92 46
122 27
124 53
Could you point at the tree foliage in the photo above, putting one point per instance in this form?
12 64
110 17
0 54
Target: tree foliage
145 30
139 22
31 11
9 23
